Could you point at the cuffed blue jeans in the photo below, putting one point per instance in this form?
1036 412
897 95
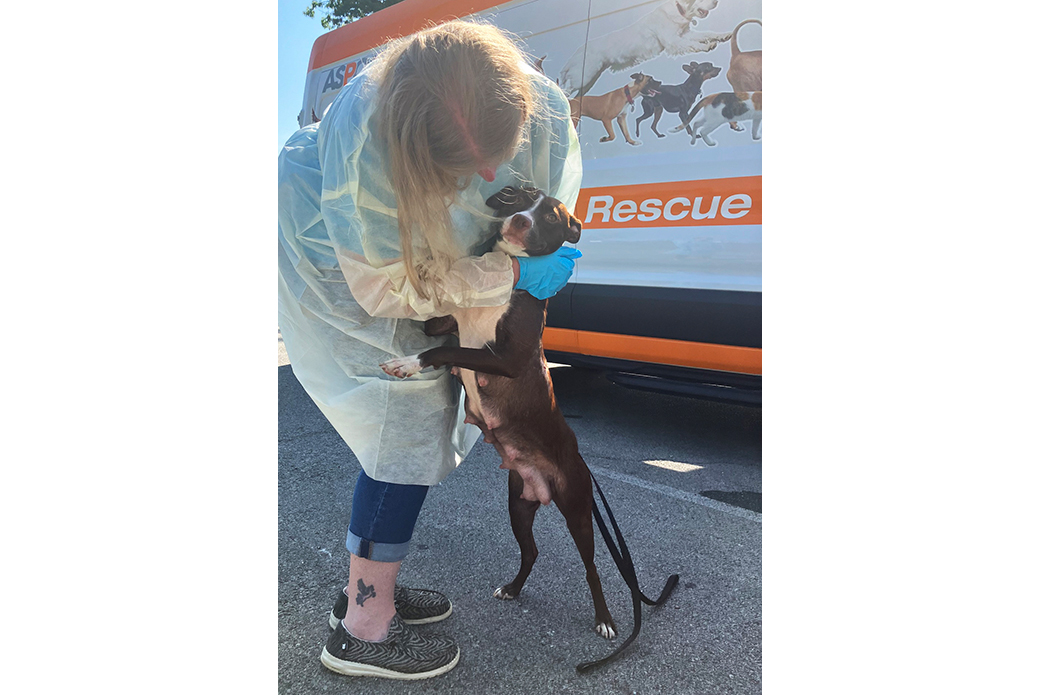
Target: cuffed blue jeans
382 518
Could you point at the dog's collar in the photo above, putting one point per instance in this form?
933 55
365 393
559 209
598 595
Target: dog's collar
628 95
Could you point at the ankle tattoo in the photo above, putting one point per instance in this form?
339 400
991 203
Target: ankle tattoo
364 592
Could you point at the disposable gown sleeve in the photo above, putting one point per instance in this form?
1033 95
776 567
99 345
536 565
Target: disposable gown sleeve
473 281
359 210
564 156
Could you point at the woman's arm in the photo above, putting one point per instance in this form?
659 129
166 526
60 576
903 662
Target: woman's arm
472 281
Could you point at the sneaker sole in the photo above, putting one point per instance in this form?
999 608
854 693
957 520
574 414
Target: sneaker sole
353 668
334 621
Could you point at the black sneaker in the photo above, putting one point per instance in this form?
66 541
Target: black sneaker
414 606
403 655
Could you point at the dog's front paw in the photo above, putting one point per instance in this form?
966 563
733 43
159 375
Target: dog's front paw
504 593
635 143
403 367
606 630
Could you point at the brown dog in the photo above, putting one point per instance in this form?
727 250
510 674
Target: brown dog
745 68
608 107
509 392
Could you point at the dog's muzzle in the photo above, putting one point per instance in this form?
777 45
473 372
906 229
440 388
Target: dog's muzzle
516 228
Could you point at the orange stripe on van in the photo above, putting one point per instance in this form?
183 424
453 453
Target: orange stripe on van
395 21
703 202
726 358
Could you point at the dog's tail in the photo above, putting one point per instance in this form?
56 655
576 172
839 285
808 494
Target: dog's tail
733 42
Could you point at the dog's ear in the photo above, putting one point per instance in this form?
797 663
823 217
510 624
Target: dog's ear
512 197
508 196
690 68
636 76
573 230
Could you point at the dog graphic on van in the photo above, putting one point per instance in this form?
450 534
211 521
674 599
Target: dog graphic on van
677 98
665 30
725 107
608 107
745 68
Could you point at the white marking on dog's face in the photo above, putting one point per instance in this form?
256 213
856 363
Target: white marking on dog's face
516 237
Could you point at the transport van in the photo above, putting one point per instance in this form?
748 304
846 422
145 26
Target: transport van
668 293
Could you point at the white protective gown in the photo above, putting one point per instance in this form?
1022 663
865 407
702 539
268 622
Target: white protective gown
344 302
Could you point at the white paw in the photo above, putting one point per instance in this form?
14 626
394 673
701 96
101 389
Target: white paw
636 143
502 594
403 367
605 631
677 128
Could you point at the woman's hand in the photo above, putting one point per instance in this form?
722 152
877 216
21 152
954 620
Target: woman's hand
544 276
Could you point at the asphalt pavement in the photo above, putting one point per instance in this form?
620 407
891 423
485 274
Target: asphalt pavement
684 480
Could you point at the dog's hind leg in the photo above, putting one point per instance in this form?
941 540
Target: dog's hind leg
685 116
657 117
575 503
521 518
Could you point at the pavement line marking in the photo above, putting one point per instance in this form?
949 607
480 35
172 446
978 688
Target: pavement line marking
677 494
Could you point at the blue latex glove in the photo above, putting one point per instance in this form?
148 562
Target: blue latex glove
544 276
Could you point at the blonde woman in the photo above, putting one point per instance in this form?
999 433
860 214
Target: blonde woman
382 225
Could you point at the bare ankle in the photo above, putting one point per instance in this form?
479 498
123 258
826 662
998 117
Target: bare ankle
367 628
370 598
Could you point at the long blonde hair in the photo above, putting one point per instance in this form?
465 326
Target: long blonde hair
452 98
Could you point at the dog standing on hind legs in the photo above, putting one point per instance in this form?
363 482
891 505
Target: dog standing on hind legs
509 392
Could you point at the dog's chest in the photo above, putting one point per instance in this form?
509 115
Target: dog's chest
477 328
